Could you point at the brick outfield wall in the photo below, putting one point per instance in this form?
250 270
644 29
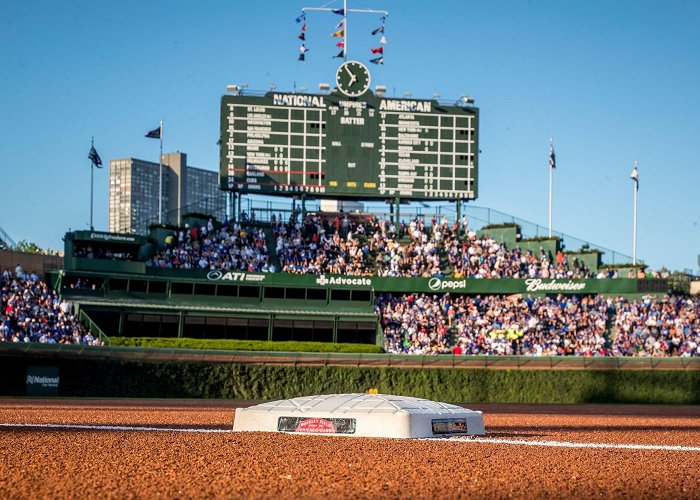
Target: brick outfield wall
30 262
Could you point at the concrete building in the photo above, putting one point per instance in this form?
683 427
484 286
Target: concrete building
133 192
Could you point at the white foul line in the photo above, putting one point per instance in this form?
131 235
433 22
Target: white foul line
571 444
463 439
113 427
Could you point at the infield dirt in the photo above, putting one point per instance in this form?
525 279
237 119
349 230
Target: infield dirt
79 463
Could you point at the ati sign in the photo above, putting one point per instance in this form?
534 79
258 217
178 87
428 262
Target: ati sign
42 381
234 276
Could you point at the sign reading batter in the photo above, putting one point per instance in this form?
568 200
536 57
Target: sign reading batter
314 425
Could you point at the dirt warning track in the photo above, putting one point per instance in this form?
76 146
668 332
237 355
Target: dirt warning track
118 448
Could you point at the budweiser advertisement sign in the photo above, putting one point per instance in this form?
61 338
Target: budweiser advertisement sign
315 425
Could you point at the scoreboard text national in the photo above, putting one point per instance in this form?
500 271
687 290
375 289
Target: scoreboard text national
333 145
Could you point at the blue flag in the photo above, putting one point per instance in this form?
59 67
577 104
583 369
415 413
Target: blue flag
94 157
154 134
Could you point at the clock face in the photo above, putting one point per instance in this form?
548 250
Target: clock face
352 78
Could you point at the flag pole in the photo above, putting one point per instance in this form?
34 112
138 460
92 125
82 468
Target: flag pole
160 176
635 178
551 168
345 27
92 183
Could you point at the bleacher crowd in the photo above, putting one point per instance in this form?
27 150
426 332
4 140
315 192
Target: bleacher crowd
653 327
494 324
359 246
374 247
229 247
418 323
31 312
412 323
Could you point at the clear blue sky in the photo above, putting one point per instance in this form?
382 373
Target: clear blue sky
611 81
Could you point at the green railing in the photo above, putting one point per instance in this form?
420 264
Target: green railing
92 326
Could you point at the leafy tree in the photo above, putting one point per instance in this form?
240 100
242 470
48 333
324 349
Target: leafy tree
29 247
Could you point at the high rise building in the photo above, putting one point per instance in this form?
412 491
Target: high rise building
133 192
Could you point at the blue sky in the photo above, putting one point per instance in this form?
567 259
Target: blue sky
610 81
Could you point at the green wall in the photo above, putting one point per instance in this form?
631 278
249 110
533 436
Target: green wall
137 379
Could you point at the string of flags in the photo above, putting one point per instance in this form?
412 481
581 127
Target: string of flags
382 41
302 36
340 33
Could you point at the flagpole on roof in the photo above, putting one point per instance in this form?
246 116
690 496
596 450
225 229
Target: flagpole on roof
95 161
635 177
92 180
345 27
551 170
160 175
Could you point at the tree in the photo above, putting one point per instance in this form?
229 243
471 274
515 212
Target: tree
29 247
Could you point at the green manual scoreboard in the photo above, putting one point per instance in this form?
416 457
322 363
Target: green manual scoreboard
349 143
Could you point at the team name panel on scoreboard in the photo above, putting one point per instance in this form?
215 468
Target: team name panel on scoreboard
331 145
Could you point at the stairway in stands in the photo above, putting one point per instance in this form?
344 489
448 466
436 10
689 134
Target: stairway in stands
271 243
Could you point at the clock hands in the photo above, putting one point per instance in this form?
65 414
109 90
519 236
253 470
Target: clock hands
353 78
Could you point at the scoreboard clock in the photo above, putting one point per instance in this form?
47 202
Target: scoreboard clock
352 78
349 143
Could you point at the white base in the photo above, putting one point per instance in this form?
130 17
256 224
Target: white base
361 415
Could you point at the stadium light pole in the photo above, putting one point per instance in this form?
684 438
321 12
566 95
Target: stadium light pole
635 178
160 176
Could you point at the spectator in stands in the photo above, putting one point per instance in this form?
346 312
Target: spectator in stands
494 325
413 324
229 247
316 246
31 312
664 327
